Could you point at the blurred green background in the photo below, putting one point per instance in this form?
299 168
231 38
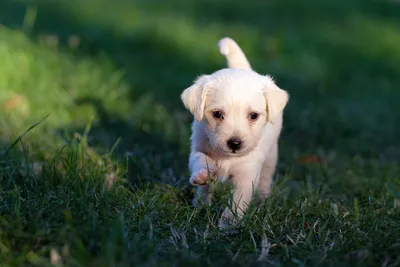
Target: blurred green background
124 65
113 72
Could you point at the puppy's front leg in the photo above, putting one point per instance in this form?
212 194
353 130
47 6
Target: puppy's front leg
202 168
244 183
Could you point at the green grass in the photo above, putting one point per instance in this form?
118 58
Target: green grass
103 180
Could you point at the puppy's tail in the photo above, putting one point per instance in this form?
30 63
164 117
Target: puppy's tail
234 55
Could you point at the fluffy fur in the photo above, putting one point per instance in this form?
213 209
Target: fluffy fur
238 120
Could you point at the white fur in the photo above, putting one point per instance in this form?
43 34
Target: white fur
234 55
236 92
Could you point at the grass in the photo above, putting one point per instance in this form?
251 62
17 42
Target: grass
94 140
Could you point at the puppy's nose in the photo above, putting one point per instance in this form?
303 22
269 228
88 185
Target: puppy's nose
234 143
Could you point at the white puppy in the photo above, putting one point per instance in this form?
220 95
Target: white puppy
238 120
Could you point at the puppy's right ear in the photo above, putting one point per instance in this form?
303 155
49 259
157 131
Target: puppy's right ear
194 97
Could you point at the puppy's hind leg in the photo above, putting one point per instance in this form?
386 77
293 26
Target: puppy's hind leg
267 173
234 55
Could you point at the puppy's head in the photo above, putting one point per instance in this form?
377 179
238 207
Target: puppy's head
233 106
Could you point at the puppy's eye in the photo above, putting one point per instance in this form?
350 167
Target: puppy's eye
254 116
218 114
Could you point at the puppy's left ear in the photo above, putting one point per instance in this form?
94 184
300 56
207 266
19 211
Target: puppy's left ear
194 97
276 100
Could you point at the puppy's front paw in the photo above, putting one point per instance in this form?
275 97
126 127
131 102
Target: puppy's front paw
201 177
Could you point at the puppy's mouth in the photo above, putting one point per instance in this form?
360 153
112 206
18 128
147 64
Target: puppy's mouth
230 152
237 152
243 151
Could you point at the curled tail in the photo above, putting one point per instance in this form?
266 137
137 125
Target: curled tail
234 55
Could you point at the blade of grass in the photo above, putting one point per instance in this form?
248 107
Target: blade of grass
24 133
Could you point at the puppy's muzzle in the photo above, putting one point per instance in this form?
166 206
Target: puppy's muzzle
234 143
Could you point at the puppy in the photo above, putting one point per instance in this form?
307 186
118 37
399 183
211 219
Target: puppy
237 122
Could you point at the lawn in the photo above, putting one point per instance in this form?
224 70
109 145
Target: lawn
94 140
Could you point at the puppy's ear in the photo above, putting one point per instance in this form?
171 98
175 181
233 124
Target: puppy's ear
194 97
276 100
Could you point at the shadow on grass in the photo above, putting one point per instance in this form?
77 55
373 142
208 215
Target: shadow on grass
152 156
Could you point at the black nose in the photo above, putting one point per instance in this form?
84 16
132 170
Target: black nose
234 143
